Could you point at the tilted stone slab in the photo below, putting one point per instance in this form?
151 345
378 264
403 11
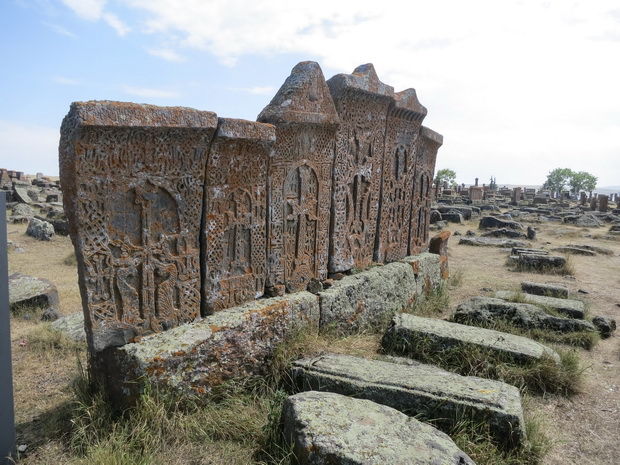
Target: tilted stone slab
28 291
572 250
372 296
326 428
408 331
491 242
418 389
193 358
548 290
570 307
486 310
133 178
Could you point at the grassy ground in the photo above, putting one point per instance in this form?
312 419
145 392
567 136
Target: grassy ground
62 419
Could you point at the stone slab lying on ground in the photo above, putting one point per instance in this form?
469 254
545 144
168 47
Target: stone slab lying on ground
327 428
407 331
368 298
571 250
548 290
570 307
594 248
418 389
537 262
525 250
503 232
605 325
488 222
28 291
192 358
42 230
486 310
71 326
491 242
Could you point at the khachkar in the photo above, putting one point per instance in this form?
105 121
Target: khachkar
235 214
362 102
428 144
404 120
133 179
300 178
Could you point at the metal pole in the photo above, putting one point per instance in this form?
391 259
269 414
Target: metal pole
7 413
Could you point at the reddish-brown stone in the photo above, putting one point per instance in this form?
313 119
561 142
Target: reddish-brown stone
428 145
133 178
439 245
235 214
362 102
300 178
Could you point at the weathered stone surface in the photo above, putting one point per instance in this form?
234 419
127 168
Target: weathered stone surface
539 262
570 250
326 428
234 254
195 357
51 314
491 242
41 230
594 248
372 296
486 310
548 290
488 222
133 178
439 245
72 326
570 307
605 325
22 209
417 389
28 291
300 178
362 102
404 121
586 221
466 212
428 146
503 232
408 331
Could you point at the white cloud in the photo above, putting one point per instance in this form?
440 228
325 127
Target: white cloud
31 149
94 10
147 92
65 80
167 54
59 30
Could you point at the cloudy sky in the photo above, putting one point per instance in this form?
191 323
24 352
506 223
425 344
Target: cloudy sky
517 88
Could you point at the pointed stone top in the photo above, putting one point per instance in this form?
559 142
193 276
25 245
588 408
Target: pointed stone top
364 78
407 100
432 136
303 98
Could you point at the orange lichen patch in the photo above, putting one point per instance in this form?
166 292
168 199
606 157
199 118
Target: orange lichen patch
427 285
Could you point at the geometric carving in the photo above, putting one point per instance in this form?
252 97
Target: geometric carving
405 117
362 102
133 179
429 142
300 178
234 254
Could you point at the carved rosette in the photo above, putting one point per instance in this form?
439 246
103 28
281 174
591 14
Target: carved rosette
235 212
133 179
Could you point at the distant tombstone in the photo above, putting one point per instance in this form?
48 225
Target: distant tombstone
300 179
235 214
516 194
133 178
583 198
476 193
476 185
401 151
593 203
362 102
603 200
428 145
39 176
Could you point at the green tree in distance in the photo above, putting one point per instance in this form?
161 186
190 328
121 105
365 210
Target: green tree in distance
445 174
560 177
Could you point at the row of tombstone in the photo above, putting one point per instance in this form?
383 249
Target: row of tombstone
176 213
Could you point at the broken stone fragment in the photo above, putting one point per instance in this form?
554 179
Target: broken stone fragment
39 229
28 291
605 325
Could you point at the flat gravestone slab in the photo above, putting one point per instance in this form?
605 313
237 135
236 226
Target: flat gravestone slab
28 291
407 330
548 290
417 389
570 307
329 428
491 242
